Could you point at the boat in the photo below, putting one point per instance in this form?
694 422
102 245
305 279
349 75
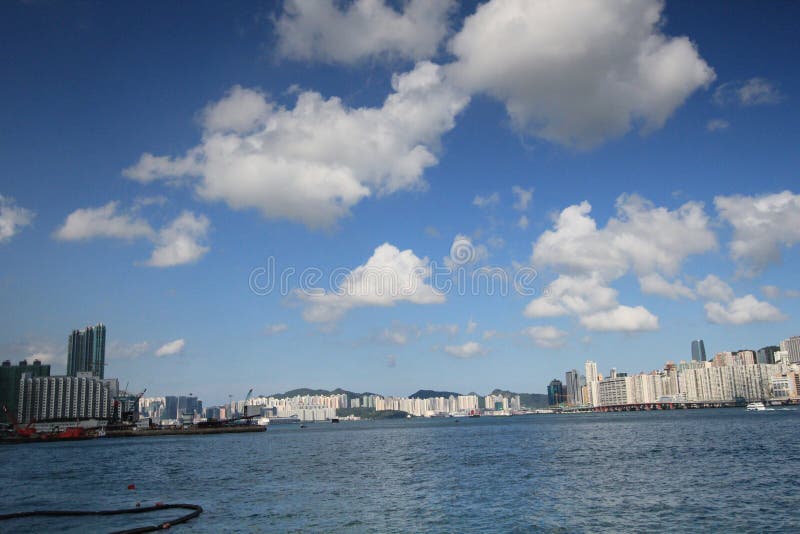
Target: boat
758 407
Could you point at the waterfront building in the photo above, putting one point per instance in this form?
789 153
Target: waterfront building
698 350
573 386
792 347
592 379
86 351
555 393
10 376
615 391
65 398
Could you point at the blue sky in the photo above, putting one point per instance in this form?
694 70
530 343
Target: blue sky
154 156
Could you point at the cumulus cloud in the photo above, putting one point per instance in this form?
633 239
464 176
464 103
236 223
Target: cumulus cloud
105 221
470 349
715 125
464 252
274 329
747 309
388 277
487 201
712 288
655 284
621 319
588 259
12 218
171 348
761 225
181 242
548 337
314 162
522 197
177 243
336 32
725 308
752 92
627 241
577 72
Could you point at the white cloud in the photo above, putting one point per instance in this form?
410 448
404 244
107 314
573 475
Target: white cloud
752 92
747 309
470 349
577 72
523 197
712 288
105 221
588 259
489 334
314 162
12 218
487 201
464 252
395 336
523 222
336 32
715 125
471 326
761 225
181 241
655 284
277 328
627 241
621 319
388 277
177 243
546 336
171 348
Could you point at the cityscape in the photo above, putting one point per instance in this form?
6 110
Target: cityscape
399 266
31 394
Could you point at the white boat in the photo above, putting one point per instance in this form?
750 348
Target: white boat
758 407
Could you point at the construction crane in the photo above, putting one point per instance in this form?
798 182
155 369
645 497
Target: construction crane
26 432
246 399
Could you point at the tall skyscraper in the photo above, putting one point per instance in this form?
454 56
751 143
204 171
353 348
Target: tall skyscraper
591 383
86 351
698 350
555 392
573 384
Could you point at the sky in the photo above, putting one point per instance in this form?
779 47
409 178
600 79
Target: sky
393 196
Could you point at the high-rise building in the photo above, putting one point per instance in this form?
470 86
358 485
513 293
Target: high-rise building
10 376
573 386
555 392
66 398
698 350
592 377
767 354
86 351
792 346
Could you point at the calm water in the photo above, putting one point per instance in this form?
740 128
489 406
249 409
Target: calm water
717 470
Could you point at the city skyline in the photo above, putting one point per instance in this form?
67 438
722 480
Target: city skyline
153 179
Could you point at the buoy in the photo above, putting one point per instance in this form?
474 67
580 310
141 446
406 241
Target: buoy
131 486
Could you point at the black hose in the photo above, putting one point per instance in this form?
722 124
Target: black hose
196 510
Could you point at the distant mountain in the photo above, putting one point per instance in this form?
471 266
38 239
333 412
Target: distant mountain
309 391
430 394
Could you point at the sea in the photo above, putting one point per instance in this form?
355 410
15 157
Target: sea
713 470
